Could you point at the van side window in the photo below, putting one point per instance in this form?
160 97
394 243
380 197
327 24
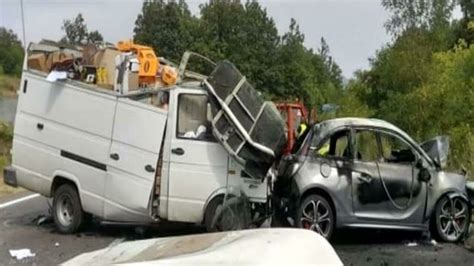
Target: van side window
192 118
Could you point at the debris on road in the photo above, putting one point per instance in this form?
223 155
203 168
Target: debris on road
412 244
469 242
43 219
56 244
20 254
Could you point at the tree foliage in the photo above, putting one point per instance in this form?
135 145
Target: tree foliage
11 53
77 32
281 67
423 80
421 14
167 26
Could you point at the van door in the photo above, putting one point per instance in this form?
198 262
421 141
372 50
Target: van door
197 163
136 143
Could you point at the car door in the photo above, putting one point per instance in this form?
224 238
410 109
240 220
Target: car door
368 195
136 142
334 163
385 187
197 162
405 193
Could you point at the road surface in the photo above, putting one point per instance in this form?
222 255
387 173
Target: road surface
19 229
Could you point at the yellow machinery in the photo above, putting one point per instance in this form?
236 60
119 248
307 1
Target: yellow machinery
149 64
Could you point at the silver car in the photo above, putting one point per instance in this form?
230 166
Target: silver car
367 173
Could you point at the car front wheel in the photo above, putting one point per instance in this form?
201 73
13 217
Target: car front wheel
451 219
315 213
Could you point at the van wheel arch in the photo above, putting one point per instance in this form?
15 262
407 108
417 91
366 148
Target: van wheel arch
60 180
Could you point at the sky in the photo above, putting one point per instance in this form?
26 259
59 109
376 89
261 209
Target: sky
352 28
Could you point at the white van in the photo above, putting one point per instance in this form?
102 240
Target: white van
120 156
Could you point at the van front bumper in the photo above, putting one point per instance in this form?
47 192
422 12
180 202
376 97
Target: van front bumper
9 176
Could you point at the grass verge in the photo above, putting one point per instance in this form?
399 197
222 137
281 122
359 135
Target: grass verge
6 136
8 85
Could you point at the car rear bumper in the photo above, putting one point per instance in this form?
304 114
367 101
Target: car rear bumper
9 176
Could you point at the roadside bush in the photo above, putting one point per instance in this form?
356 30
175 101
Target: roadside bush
8 85
462 149
443 105
6 137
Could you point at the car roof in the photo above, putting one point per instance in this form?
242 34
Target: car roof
328 126
322 129
358 121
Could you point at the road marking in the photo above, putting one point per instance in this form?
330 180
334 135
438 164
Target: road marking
13 202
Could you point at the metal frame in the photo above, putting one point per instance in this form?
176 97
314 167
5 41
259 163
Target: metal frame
229 114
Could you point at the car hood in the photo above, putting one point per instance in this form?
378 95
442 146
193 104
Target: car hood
437 149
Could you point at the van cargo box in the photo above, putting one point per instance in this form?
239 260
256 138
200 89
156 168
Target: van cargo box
249 128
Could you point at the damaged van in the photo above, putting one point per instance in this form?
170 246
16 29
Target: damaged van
131 155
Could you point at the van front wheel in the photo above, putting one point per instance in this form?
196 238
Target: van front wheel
67 210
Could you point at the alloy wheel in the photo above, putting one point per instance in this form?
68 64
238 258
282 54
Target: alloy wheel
316 216
452 218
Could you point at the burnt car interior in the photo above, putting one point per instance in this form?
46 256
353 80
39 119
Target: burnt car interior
337 146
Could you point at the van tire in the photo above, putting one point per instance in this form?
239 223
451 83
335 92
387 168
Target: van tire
67 211
211 212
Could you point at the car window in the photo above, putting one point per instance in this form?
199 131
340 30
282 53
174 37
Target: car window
366 145
395 150
192 118
336 146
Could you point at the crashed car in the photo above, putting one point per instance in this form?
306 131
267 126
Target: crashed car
367 173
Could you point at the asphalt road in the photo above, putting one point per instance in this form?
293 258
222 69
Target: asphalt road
19 229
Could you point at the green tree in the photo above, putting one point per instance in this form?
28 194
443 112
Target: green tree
467 7
243 34
77 33
334 71
294 68
281 67
463 29
94 37
444 104
168 27
420 14
312 77
11 53
420 82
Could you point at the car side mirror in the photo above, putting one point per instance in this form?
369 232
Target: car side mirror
424 175
419 163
